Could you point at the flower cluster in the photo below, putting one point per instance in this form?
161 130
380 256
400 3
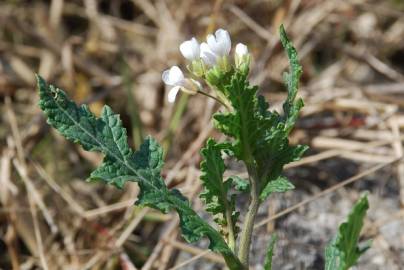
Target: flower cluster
214 53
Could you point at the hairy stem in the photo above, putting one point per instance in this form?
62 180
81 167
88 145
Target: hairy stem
246 233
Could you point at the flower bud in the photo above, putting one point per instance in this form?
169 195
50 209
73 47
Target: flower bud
242 56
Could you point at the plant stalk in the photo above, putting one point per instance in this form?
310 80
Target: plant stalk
230 225
246 233
215 98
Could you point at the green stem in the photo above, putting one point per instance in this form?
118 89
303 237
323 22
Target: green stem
230 228
246 233
215 98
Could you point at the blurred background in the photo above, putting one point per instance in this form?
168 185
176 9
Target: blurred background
113 52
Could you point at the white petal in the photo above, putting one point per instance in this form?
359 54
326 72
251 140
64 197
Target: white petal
190 49
211 40
223 38
172 94
176 74
241 50
220 44
214 45
207 55
165 76
173 76
205 48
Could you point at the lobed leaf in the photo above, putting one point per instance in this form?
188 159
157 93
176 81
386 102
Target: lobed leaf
121 164
216 191
278 151
282 184
240 184
291 106
344 251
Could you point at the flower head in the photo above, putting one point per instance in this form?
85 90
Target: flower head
175 78
190 49
220 43
215 52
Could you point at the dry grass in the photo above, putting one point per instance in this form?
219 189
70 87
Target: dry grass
114 51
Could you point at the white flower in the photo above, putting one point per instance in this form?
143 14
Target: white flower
220 43
207 55
241 56
216 50
190 49
175 78
241 50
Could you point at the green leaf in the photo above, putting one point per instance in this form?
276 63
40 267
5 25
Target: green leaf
240 184
121 164
260 136
291 106
332 255
282 184
270 253
344 251
215 193
278 151
241 124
